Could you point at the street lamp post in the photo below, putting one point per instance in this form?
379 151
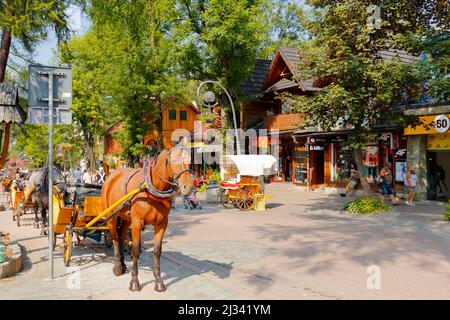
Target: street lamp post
210 97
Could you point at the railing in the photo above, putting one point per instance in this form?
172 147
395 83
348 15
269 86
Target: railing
283 121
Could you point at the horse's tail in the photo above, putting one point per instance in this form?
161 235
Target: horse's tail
28 193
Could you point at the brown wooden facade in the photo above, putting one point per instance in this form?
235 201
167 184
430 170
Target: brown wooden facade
308 156
172 118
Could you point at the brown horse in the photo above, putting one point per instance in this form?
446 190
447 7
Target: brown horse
164 178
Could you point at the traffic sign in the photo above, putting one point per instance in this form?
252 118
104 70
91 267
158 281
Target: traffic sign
38 94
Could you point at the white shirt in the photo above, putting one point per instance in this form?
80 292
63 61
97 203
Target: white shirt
412 180
87 178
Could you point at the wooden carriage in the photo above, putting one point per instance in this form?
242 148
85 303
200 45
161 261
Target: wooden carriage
244 182
73 214
83 215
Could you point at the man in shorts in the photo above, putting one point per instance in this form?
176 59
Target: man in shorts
386 184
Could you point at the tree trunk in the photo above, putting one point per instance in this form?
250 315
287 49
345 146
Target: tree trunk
4 52
5 145
360 165
91 155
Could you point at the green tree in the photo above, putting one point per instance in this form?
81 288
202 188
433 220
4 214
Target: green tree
359 88
31 141
85 55
221 39
27 22
137 74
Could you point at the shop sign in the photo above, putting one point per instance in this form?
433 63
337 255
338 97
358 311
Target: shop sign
438 142
316 148
316 140
431 125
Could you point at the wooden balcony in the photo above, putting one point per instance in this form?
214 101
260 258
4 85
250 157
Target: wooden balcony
282 122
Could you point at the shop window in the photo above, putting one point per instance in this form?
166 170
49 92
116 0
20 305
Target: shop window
301 165
344 163
172 114
183 115
371 163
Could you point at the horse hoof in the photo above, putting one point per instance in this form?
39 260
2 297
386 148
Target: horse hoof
134 286
118 270
159 287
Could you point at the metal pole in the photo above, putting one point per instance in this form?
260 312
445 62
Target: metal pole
50 173
238 146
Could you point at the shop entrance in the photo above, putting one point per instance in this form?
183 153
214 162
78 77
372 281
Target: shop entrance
319 165
438 175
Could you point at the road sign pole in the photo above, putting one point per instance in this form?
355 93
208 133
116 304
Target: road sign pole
50 173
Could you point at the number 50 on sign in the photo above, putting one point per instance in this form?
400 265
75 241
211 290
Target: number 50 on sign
441 123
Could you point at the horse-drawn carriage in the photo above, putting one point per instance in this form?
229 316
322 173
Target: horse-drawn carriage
20 206
245 179
73 212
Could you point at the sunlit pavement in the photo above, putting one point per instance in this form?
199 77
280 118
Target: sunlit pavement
301 247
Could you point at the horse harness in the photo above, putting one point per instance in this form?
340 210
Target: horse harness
149 188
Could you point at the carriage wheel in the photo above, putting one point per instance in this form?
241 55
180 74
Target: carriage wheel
225 199
245 199
67 245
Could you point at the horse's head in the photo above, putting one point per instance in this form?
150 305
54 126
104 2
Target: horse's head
179 160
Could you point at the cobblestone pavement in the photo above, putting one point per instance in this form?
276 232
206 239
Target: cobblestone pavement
301 247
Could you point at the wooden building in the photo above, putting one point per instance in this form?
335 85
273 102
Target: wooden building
310 156
172 118
268 112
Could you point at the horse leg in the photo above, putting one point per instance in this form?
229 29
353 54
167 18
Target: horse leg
112 226
157 248
44 220
136 251
36 217
123 233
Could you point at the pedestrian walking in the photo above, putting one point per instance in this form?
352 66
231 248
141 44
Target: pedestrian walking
410 185
87 177
354 180
386 183
78 175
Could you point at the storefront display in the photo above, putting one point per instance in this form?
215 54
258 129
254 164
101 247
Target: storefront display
371 163
400 171
345 159
301 165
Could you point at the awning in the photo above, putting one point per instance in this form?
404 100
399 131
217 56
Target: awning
251 164
209 148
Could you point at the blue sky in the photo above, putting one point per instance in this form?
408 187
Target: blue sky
78 23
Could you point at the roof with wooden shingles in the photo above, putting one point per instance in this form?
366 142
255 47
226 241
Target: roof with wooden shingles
10 110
